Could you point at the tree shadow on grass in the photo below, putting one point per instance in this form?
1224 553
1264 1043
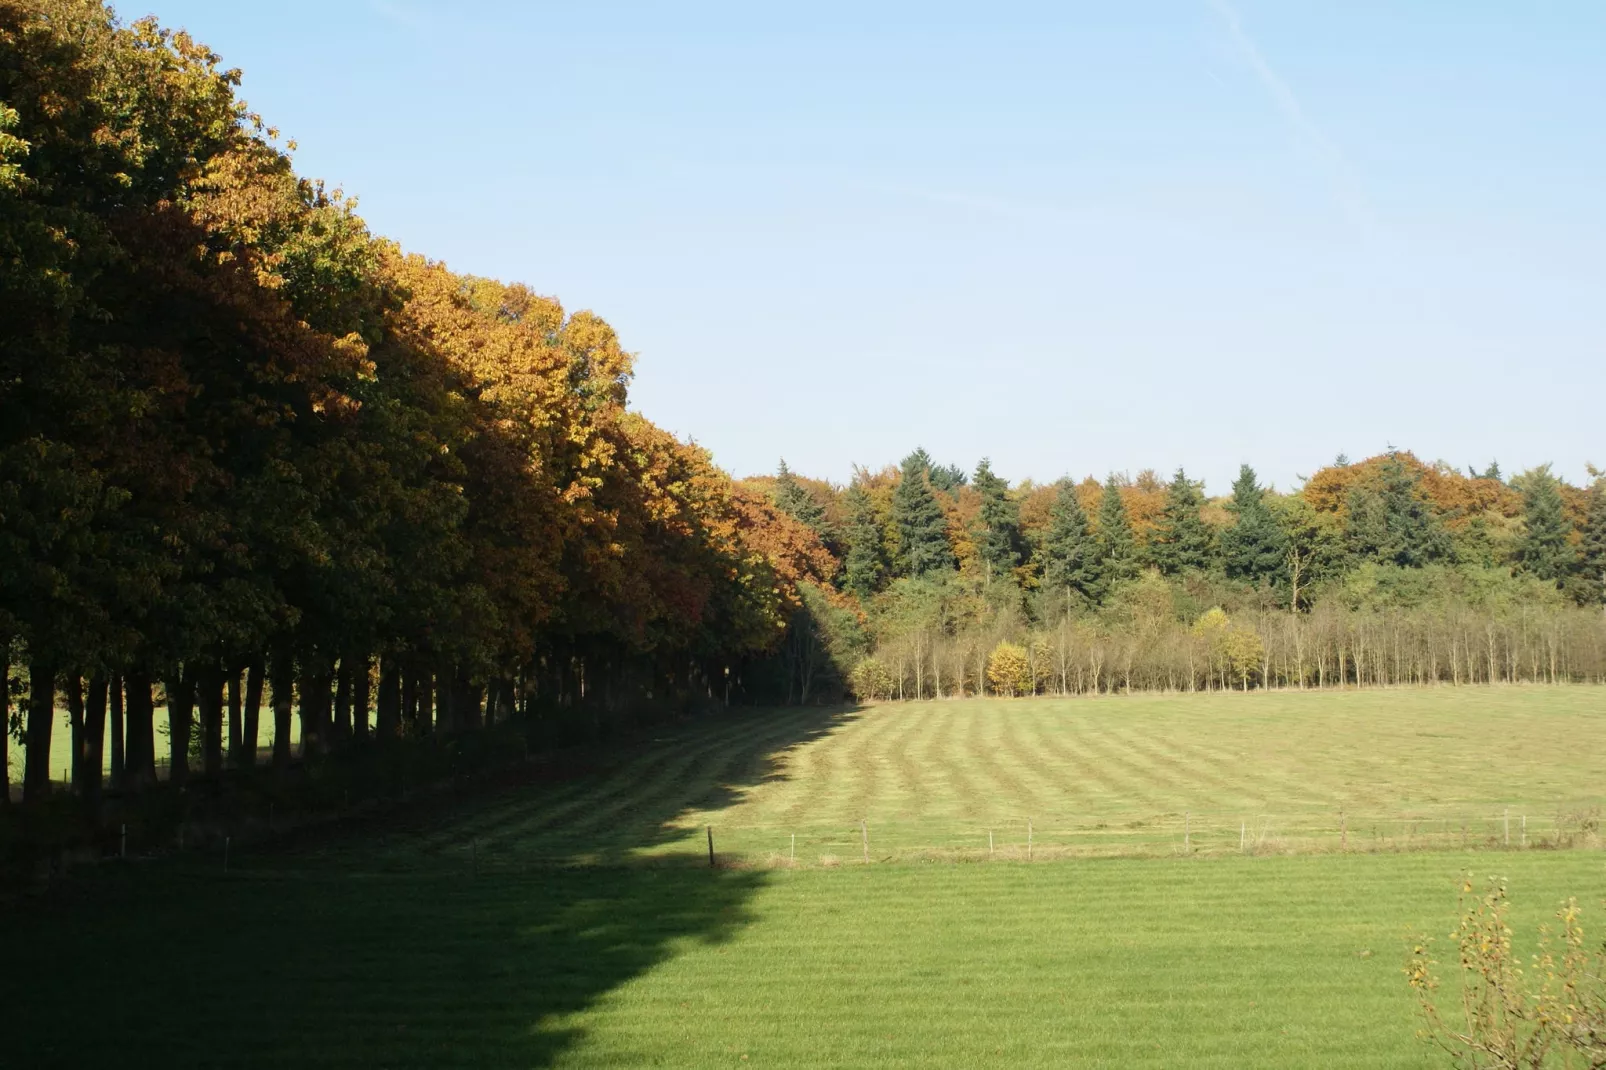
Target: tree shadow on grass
303 959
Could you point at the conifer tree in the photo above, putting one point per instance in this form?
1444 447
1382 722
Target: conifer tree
865 566
1069 554
1117 548
1183 541
1543 551
1592 552
1393 522
1254 548
793 499
998 536
922 527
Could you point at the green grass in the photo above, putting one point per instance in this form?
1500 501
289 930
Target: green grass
468 936
1138 775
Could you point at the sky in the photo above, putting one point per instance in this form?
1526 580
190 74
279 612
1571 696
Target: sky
1074 238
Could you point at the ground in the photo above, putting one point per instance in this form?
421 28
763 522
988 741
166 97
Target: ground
580 925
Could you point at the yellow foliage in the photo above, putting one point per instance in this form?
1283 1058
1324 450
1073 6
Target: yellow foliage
1009 670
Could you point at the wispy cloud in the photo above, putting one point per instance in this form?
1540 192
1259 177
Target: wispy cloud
400 14
1340 174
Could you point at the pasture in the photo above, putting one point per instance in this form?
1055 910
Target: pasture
578 924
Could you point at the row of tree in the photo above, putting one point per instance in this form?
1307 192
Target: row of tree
1128 571
251 449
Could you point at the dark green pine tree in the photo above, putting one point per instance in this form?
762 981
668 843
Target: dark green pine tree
1393 522
1543 551
998 537
866 563
1592 552
1069 555
1183 542
793 499
1255 547
1117 548
922 527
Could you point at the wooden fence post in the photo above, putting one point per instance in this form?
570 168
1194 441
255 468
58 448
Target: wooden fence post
710 846
864 833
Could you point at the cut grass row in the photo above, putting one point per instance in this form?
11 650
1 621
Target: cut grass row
1446 768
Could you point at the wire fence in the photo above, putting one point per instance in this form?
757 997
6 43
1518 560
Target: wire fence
1200 834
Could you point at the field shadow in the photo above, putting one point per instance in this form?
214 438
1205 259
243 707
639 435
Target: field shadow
312 955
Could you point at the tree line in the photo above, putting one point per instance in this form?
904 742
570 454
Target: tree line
263 466
1383 571
254 453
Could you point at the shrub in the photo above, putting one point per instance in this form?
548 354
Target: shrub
1009 669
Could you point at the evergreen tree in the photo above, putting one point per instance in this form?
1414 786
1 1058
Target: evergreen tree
1069 554
1592 553
1254 548
1393 522
1183 542
865 566
1544 551
1117 548
793 499
998 537
946 478
922 527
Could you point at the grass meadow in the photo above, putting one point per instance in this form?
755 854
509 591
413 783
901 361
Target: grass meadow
577 924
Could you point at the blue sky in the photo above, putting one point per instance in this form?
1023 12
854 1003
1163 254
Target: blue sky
1071 237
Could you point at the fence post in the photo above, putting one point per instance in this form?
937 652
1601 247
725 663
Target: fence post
1343 831
1243 833
864 833
794 848
1524 830
710 846
1187 832
989 845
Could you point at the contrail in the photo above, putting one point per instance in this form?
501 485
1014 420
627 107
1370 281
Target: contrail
1339 171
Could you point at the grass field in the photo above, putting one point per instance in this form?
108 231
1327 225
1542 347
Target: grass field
1143 774
454 940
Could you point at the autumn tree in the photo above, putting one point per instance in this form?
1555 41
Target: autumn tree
1393 521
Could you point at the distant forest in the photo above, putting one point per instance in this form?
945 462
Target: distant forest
1384 571
261 462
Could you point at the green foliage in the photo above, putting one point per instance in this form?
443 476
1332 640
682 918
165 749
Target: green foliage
998 535
1117 546
1068 554
865 568
1591 587
795 501
1255 548
1544 550
1183 542
1393 522
922 526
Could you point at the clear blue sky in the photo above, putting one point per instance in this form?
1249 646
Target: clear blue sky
1073 237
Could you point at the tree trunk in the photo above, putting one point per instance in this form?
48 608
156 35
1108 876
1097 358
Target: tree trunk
388 715
92 758
140 734
74 686
180 723
342 725
252 719
119 764
236 708
424 689
209 679
359 698
446 715
409 698
41 717
283 697
314 711
5 720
